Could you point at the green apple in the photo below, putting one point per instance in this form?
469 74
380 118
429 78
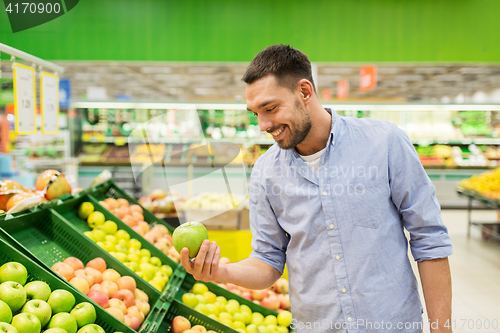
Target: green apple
37 290
272 328
201 299
111 239
13 271
252 328
5 313
61 301
122 257
7 328
155 261
247 317
145 253
108 246
13 294
122 234
133 266
284 318
238 324
147 269
225 316
166 269
202 308
134 244
214 317
199 288
98 235
55 330
190 300
257 318
92 328
238 317
131 250
244 308
190 235
84 314
95 219
270 320
232 308
210 297
123 242
121 248
262 329
65 321
282 329
89 235
239 330
40 309
213 309
133 258
26 323
110 227
223 300
85 209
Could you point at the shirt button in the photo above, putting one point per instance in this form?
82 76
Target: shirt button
337 257
344 290
331 226
333 142
349 319
325 193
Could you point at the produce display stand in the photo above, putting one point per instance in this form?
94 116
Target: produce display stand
36 272
42 236
487 228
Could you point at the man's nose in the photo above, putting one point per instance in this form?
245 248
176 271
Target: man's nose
264 124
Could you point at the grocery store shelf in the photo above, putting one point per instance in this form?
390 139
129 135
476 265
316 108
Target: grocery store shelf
464 141
242 106
179 140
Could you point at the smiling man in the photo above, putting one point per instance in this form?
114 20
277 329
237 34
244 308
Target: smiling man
331 199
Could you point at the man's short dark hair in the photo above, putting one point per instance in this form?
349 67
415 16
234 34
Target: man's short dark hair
287 64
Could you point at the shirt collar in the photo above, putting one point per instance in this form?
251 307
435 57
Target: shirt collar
291 153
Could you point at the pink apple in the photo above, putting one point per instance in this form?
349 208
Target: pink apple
132 322
97 263
65 270
180 324
80 284
95 274
281 286
75 263
126 296
118 304
110 286
99 298
139 294
247 295
139 230
100 289
259 294
81 273
117 313
134 311
271 302
126 282
110 275
143 306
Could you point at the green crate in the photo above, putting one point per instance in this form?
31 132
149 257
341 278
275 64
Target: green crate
47 238
195 317
110 190
38 273
189 282
69 210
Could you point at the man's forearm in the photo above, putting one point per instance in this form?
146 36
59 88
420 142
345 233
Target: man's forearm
436 284
251 273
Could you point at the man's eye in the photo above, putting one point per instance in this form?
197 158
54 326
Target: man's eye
255 114
271 109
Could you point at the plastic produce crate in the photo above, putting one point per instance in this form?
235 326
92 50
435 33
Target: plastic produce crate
110 190
69 210
195 317
38 273
47 238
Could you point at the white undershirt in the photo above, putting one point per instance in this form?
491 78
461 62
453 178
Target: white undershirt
312 161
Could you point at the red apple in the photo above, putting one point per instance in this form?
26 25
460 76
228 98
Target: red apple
98 264
132 322
134 311
259 294
281 286
65 270
271 302
81 273
126 282
247 295
143 306
74 262
284 301
110 286
101 289
95 274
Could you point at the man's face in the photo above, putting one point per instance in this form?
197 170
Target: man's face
279 110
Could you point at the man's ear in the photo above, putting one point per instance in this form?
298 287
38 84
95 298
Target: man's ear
306 90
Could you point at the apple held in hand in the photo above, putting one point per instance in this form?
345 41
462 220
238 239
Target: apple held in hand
190 235
13 294
37 290
84 314
13 271
40 309
26 323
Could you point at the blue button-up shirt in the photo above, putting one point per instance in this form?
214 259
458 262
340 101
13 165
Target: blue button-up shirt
341 233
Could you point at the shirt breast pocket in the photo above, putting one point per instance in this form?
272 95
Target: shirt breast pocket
367 202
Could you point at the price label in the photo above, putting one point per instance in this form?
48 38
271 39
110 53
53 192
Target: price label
49 92
24 99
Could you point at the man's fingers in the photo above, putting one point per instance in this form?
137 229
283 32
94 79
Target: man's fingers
215 264
200 258
185 262
208 259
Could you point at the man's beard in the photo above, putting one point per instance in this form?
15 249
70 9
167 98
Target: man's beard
300 130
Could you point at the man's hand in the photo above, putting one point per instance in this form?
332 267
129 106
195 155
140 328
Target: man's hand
205 266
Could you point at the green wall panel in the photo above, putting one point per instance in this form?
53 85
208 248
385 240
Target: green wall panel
235 30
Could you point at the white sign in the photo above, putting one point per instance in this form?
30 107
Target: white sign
49 85
24 98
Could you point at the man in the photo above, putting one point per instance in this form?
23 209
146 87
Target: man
331 199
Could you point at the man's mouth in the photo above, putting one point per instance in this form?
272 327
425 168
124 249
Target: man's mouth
278 133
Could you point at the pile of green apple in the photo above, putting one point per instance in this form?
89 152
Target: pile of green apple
33 307
231 313
116 294
128 250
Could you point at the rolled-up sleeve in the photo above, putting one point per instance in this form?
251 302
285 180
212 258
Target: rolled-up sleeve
269 240
414 195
